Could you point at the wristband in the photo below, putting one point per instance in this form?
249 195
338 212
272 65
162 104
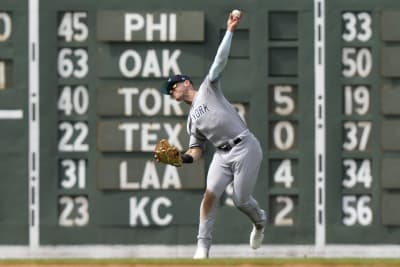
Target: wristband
186 158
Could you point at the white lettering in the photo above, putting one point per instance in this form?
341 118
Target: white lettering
172 27
131 64
2 75
123 177
128 93
155 211
170 63
150 178
128 129
151 27
123 63
173 134
169 104
138 216
171 178
166 26
6 19
151 66
156 97
137 211
133 22
147 96
147 137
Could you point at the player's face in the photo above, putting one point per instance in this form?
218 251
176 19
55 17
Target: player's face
177 91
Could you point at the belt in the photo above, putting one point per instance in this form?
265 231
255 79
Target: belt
228 146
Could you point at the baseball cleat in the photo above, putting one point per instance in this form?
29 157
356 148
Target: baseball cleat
201 253
257 234
256 237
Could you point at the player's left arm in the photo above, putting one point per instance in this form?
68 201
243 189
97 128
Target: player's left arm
221 58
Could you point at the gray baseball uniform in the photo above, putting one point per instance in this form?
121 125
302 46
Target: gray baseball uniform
238 153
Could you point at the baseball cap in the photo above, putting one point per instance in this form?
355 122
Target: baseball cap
166 87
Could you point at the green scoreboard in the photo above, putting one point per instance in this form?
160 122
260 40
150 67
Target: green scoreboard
14 213
317 81
362 122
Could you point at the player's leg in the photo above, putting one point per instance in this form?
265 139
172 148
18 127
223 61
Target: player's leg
218 177
246 164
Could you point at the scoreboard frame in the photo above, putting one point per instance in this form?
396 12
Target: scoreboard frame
320 236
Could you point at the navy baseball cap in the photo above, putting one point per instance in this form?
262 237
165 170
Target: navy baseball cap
166 87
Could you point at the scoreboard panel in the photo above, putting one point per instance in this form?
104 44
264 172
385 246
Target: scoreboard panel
102 67
362 122
13 123
317 82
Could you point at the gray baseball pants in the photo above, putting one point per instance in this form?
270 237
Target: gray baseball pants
241 165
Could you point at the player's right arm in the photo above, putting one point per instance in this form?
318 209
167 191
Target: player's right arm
221 58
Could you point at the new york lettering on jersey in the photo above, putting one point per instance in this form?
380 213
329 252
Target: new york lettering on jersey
199 112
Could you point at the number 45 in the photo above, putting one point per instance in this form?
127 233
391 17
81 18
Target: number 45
73 27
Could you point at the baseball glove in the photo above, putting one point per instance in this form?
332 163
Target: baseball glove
166 153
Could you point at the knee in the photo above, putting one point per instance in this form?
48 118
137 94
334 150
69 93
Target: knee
240 203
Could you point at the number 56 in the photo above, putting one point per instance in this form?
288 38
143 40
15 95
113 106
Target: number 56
356 210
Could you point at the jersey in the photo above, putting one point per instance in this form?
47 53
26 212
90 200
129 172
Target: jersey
211 116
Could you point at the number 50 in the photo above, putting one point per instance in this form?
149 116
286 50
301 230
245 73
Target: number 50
356 62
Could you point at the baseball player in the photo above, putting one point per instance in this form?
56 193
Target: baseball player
238 153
